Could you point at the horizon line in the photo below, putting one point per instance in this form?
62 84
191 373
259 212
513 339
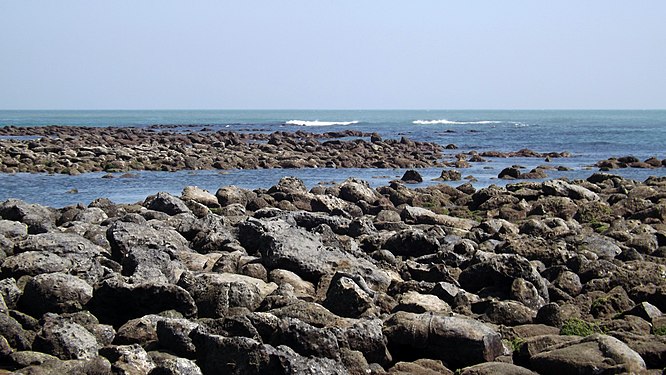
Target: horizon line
331 109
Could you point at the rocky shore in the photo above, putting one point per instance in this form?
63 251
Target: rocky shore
552 277
74 150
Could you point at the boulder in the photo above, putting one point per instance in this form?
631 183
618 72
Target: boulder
288 247
115 302
242 355
39 219
128 359
167 203
345 297
412 177
419 215
456 341
231 195
14 334
354 190
450 175
55 292
590 355
126 236
499 368
500 271
564 189
173 335
66 340
167 364
412 242
216 294
196 194
421 303
13 230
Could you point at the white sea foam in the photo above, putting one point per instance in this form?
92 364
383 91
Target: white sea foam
449 122
319 123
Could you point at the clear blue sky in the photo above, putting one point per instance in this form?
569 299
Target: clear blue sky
319 54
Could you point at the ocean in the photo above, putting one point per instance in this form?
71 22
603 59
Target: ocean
589 136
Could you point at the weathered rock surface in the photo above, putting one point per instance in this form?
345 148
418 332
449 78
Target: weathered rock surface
535 277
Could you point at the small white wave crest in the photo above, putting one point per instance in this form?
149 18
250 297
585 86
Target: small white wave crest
449 122
319 123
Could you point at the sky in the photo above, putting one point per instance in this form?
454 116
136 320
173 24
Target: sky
332 54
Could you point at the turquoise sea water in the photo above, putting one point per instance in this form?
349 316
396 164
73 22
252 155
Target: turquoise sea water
588 135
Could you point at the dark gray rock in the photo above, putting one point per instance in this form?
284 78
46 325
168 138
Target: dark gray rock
55 292
167 364
173 335
412 242
345 297
292 248
115 302
456 341
411 176
39 219
126 236
66 340
167 203
217 293
13 332
242 355
500 271
128 359
13 230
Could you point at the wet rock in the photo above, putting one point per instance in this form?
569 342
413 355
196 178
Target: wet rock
450 175
509 173
411 177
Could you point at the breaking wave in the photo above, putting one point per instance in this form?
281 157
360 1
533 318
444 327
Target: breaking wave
319 123
449 122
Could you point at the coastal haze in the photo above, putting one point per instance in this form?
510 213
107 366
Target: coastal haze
332 187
